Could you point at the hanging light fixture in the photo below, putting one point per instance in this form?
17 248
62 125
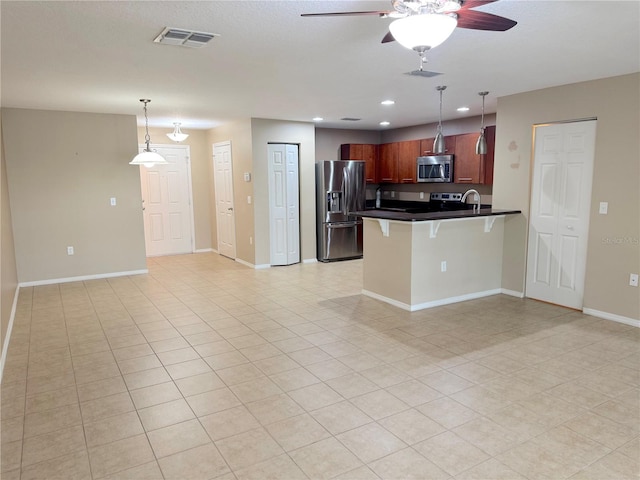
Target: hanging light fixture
481 144
177 135
147 157
438 142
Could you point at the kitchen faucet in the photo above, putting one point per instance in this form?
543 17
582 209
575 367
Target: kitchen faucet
378 194
466 194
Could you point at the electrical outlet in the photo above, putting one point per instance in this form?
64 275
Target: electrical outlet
633 279
393 194
443 266
421 195
70 251
249 199
250 240
604 208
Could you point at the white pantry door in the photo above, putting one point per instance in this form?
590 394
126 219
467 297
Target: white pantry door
559 216
225 216
166 193
284 204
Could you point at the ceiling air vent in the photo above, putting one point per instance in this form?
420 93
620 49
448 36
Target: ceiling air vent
350 119
184 38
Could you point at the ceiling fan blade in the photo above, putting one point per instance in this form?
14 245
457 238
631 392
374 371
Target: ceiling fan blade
380 13
484 21
388 38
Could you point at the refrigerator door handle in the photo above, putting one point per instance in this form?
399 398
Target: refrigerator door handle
343 225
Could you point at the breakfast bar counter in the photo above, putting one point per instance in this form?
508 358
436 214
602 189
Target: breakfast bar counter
422 260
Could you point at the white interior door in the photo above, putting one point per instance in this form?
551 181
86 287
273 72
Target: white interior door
284 204
559 216
225 215
166 193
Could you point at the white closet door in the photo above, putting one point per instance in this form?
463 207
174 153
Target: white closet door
284 204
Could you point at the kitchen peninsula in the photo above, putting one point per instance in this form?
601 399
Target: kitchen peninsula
421 260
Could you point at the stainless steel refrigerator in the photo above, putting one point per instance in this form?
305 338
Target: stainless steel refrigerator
340 190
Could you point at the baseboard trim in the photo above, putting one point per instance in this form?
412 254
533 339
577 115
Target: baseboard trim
434 303
512 293
82 278
203 250
611 316
262 266
310 260
7 338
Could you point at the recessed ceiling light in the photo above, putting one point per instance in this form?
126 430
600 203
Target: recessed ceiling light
387 102
385 124
463 109
318 119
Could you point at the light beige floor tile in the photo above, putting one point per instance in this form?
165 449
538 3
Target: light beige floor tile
226 359
609 433
177 438
487 435
229 422
371 442
248 448
614 465
411 426
104 407
306 355
533 461
102 388
178 356
239 374
188 369
352 385
213 401
275 468
51 399
340 417
11 429
199 384
315 396
276 364
147 471
325 459
491 469
447 412
120 455
197 463
328 369
385 375
414 392
165 414
112 429
11 456
146 378
294 379
52 445
274 408
51 420
74 466
480 399
407 464
257 389
166 340
379 404
296 432
631 449
155 394
619 412
451 453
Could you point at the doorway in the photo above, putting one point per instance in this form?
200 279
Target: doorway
225 215
166 197
284 204
559 214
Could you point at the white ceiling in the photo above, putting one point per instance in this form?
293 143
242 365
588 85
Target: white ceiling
99 56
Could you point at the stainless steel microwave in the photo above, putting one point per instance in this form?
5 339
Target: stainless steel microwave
435 169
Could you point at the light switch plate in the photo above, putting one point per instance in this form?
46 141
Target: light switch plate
113 201
604 208
633 279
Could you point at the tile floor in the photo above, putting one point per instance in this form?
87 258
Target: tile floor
207 369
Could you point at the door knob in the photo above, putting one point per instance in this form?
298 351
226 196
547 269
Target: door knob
230 208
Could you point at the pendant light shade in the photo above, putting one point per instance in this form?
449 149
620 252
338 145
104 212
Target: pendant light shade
147 157
177 135
481 144
438 142
422 32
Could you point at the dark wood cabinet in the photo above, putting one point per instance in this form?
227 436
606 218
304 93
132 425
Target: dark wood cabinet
408 152
426 145
362 151
388 163
469 167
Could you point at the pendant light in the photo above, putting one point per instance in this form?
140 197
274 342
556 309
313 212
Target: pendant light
147 157
481 144
438 142
177 135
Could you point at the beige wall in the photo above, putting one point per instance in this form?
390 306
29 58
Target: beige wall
9 273
201 177
239 134
428 130
63 167
263 132
613 250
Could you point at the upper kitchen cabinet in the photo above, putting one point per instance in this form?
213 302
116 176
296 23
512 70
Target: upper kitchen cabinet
362 151
408 152
469 167
388 163
426 146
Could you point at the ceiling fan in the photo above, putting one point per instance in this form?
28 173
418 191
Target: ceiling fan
424 24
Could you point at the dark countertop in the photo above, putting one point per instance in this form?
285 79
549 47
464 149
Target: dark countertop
424 217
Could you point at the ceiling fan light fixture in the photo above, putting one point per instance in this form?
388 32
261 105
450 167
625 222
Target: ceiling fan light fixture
422 32
147 157
177 135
